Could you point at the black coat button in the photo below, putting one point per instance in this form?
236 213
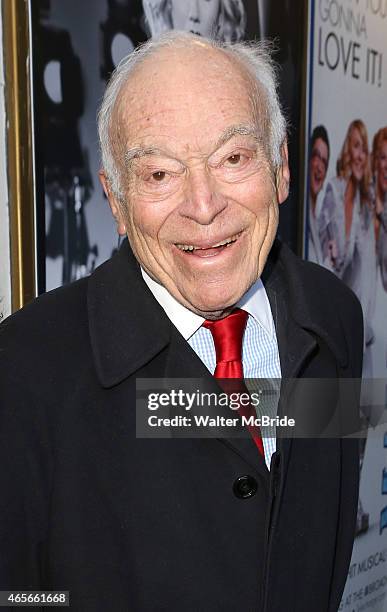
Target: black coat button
245 486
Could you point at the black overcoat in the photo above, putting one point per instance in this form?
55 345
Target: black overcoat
130 524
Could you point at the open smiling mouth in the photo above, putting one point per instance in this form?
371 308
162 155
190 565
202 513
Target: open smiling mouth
210 250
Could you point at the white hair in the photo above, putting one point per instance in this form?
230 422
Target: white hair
255 57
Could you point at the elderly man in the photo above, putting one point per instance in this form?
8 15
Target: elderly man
194 166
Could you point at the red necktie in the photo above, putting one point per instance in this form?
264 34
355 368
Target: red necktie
227 334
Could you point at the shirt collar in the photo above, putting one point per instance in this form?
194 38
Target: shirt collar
254 301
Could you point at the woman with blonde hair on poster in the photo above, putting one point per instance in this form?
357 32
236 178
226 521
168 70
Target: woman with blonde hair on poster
346 226
221 19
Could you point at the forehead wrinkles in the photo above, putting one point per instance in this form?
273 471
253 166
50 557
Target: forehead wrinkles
186 132
155 93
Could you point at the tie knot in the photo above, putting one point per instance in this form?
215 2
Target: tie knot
227 334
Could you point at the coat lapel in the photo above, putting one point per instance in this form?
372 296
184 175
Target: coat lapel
301 316
128 328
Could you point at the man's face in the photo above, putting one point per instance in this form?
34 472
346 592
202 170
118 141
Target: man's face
318 166
196 16
381 169
201 207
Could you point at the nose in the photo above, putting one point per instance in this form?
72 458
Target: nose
360 155
320 164
194 14
202 203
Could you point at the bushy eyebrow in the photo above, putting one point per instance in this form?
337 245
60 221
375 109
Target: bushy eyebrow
230 132
235 130
136 152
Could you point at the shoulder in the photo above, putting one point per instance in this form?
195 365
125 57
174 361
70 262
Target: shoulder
328 290
52 310
337 183
331 201
335 188
53 325
311 281
322 303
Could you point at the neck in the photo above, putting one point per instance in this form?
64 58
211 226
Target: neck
216 315
350 190
380 195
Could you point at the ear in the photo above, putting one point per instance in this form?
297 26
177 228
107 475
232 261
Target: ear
283 175
113 203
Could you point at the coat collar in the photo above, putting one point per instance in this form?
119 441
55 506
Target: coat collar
302 296
128 327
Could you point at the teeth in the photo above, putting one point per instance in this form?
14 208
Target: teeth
227 241
190 247
185 247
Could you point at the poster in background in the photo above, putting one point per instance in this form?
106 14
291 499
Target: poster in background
346 231
76 45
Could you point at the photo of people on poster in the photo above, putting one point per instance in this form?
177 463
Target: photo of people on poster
345 231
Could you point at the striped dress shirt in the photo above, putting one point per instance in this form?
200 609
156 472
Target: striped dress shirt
260 356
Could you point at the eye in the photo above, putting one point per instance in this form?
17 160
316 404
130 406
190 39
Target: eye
234 159
159 176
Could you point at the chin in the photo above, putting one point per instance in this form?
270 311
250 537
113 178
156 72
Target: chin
216 302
